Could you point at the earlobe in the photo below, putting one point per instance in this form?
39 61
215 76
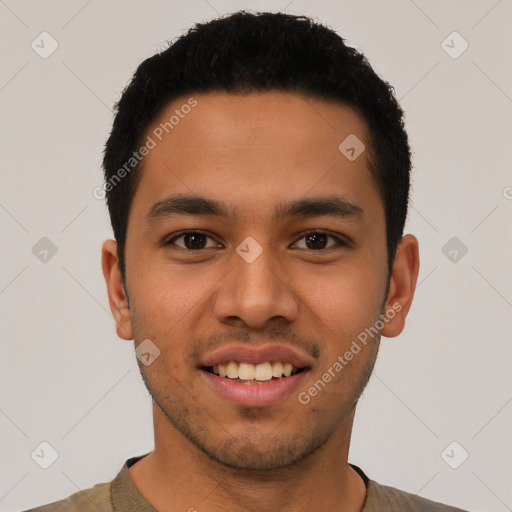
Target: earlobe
402 286
116 293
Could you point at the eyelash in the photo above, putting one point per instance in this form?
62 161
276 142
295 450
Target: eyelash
340 241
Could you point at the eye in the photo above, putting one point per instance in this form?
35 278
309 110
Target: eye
192 241
318 240
196 241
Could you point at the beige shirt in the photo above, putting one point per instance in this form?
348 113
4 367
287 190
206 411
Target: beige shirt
121 495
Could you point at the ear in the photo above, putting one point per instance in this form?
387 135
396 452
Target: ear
402 285
116 294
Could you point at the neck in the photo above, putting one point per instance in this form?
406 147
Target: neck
178 476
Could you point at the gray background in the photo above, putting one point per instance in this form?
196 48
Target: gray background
68 380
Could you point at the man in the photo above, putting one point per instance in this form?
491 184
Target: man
257 179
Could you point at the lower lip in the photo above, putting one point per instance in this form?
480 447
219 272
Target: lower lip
254 395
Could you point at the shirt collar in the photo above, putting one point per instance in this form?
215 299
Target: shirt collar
127 498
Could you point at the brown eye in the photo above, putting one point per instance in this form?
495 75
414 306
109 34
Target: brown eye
317 241
192 241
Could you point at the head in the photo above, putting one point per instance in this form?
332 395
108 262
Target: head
291 240
246 53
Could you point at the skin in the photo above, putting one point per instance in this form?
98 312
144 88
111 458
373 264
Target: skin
252 152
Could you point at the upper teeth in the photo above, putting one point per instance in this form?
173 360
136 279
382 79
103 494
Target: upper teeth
249 371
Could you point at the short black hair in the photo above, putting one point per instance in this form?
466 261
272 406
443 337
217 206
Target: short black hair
257 52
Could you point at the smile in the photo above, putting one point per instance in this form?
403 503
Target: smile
250 373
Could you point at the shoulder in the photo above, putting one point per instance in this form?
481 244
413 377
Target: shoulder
381 498
89 500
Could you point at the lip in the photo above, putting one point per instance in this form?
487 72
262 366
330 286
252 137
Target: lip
258 354
253 395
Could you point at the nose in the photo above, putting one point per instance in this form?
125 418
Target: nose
255 294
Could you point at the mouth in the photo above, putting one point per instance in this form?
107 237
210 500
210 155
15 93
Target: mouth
254 376
249 373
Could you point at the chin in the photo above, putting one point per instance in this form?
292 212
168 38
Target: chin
263 454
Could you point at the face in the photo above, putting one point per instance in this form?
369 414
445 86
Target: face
256 247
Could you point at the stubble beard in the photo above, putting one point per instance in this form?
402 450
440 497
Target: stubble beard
252 451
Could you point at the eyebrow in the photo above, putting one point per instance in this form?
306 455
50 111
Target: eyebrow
334 206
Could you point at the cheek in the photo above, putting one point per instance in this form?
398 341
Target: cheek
166 297
345 301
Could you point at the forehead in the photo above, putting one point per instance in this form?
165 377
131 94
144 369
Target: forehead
255 150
